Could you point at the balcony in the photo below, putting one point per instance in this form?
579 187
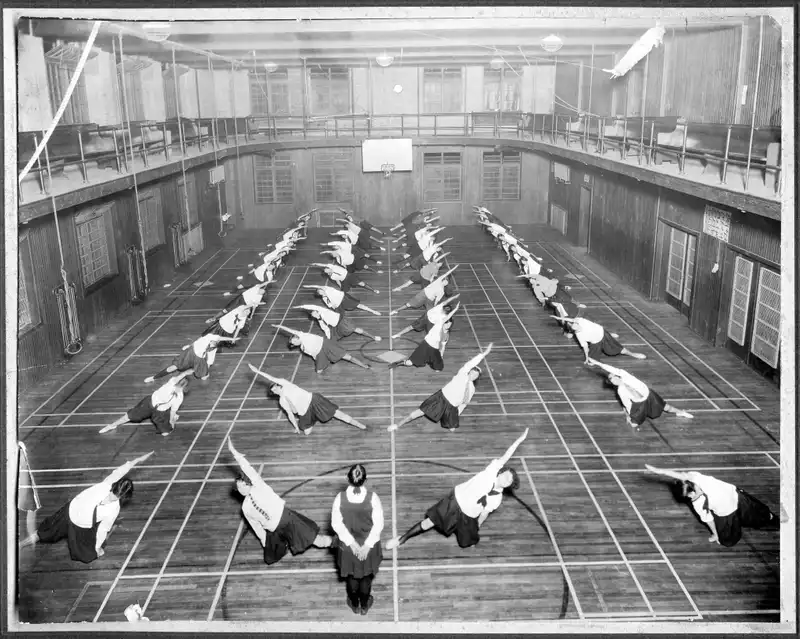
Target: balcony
734 158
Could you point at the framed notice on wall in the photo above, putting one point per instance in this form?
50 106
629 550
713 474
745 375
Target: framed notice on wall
717 223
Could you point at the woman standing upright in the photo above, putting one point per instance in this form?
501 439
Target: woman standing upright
357 519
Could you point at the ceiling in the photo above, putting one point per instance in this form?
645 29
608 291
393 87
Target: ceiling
449 36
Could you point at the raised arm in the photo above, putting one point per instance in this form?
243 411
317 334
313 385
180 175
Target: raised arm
447 301
274 380
609 369
504 459
123 470
441 257
475 360
668 473
453 312
291 331
247 469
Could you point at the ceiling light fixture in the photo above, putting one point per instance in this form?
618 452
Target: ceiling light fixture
384 59
157 31
270 67
398 88
497 63
552 43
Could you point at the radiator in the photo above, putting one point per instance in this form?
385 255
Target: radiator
178 248
136 284
68 317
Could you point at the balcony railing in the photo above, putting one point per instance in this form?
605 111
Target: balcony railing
650 141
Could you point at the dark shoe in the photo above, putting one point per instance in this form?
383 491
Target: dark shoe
366 608
352 607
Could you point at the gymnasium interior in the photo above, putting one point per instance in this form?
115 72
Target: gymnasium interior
645 155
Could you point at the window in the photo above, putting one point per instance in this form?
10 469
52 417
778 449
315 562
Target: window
501 89
152 221
273 179
190 218
28 306
96 245
740 300
269 93
765 343
501 175
61 65
442 91
680 268
442 177
561 172
333 177
330 90
133 93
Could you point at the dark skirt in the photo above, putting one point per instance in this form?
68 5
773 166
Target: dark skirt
651 407
422 323
345 285
80 541
321 410
438 409
417 261
608 345
145 410
358 264
750 513
417 278
330 353
427 355
448 518
418 300
295 532
187 359
349 303
351 566
344 328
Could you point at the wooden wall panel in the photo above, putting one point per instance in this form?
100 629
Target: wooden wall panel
474 89
34 112
682 210
359 76
544 86
707 287
384 99
655 75
623 228
567 72
768 108
602 86
703 68
757 235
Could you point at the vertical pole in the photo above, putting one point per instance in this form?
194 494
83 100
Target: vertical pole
180 136
305 96
553 117
755 100
589 106
197 97
644 102
236 140
121 80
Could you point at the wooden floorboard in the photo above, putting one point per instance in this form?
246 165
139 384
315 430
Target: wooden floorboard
587 536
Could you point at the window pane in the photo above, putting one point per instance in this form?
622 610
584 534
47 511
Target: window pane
766 326
740 300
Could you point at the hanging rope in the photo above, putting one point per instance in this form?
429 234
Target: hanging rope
133 166
65 100
65 295
215 133
183 141
236 141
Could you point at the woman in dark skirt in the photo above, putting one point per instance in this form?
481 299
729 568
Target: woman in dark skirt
446 405
324 351
723 507
87 519
341 277
596 340
334 298
425 322
335 324
305 409
430 351
431 295
160 407
465 509
357 520
198 356
640 402
427 273
279 528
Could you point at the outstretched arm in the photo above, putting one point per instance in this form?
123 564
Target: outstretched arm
668 473
608 368
475 360
291 331
504 459
247 469
274 380
453 312
123 470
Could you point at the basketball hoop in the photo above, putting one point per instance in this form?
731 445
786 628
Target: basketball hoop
387 170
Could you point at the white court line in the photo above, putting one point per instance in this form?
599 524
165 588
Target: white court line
232 552
447 473
341 462
215 272
683 346
177 470
221 445
614 474
772 459
578 262
574 463
553 541
477 340
71 379
395 563
406 568
193 273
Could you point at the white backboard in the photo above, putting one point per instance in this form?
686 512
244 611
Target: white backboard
376 153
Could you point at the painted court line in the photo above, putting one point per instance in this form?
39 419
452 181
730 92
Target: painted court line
579 263
192 274
574 463
177 470
619 483
392 449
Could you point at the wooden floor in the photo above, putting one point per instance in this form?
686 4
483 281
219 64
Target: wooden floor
589 536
